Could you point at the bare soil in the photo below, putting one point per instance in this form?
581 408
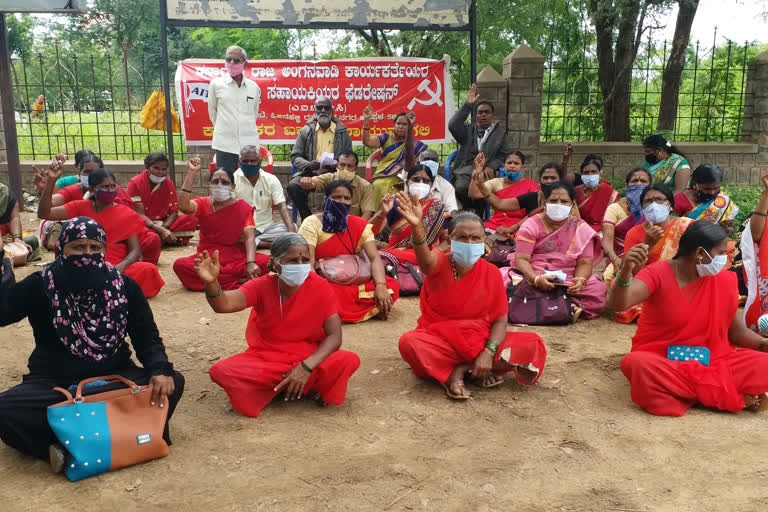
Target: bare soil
572 442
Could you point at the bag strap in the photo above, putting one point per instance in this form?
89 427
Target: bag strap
108 378
416 276
64 392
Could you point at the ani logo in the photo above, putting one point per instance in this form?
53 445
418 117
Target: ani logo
143 439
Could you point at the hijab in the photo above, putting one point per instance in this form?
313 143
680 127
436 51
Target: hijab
87 296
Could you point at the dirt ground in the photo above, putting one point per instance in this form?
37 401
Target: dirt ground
572 442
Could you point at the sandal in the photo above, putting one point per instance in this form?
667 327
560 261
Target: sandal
57 457
628 315
576 315
453 395
491 381
756 403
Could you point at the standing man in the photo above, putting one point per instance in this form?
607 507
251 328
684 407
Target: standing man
481 136
322 134
233 106
363 204
264 192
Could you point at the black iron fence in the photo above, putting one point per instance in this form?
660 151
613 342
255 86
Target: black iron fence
710 102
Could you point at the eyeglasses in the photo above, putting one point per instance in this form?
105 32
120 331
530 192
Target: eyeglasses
419 179
219 181
233 60
658 200
324 108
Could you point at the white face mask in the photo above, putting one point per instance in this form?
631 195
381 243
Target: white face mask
590 180
421 190
84 179
295 274
716 264
656 213
432 166
156 179
221 192
558 212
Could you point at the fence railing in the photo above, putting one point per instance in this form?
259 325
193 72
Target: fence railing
710 102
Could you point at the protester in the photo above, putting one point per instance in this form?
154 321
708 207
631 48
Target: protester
335 233
363 204
122 224
75 178
293 332
399 150
754 254
10 223
264 193
484 136
154 198
441 188
233 107
705 200
595 194
674 294
324 133
462 330
509 184
401 242
666 163
557 241
226 226
622 216
73 344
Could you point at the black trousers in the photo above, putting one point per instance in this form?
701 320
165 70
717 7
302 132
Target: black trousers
228 162
461 184
24 408
299 196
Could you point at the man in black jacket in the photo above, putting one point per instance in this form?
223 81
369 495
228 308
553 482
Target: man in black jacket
482 135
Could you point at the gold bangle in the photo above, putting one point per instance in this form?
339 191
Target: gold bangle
580 279
536 280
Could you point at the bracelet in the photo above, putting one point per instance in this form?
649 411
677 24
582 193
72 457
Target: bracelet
622 283
761 214
380 283
420 242
306 367
186 190
491 345
580 279
536 280
209 296
250 261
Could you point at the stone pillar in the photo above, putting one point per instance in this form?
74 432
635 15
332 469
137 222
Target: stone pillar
755 127
524 74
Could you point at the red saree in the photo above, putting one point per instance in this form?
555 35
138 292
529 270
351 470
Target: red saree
356 302
220 230
592 207
672 316
455 323
120 223
159 202
279 338
509 219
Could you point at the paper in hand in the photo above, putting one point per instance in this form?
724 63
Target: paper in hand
327 160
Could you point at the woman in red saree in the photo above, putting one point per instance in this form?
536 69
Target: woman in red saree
674 294
595 194
226 226
510 184
293 332
154 198
335 233
400 247
123 225
463 325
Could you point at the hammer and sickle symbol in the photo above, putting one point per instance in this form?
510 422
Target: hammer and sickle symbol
434 95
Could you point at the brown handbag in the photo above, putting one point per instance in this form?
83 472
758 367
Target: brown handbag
110 430
18 252
347 269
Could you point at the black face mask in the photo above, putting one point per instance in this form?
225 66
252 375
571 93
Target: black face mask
546 189
81 271
651 159
703 197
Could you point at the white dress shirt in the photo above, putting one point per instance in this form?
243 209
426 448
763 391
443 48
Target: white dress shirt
233 111
265 194
444 191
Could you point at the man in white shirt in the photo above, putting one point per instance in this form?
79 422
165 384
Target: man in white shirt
263 191
233 106
441 188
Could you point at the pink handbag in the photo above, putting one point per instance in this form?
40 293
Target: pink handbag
345 270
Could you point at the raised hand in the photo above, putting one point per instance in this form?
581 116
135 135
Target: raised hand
194 165
56 169
653 233
478 178
387 203
40 179
472 97
410 208
411 117
635 259
367 112
208 267
480 161
567 151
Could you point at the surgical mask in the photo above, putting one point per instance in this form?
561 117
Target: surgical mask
421 190
558 212
514 176
466 255
295 274
346 175
656 213
249 169
105 197
590 180
432 166
712 268
221 192
234 69
156 179
84 180
651 159
703 197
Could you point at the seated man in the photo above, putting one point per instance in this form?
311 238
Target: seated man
441 188
322 134
263 191
482 135
362 193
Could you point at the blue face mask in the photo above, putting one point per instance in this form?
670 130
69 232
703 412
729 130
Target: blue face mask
590 180
466 255
514 176
249 170
296 274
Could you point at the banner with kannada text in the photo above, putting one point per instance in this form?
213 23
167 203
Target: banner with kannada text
289 89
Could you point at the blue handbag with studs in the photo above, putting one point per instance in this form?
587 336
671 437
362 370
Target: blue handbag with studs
110 430
688 353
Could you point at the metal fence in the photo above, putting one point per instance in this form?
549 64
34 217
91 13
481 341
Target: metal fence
710 102
95 102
